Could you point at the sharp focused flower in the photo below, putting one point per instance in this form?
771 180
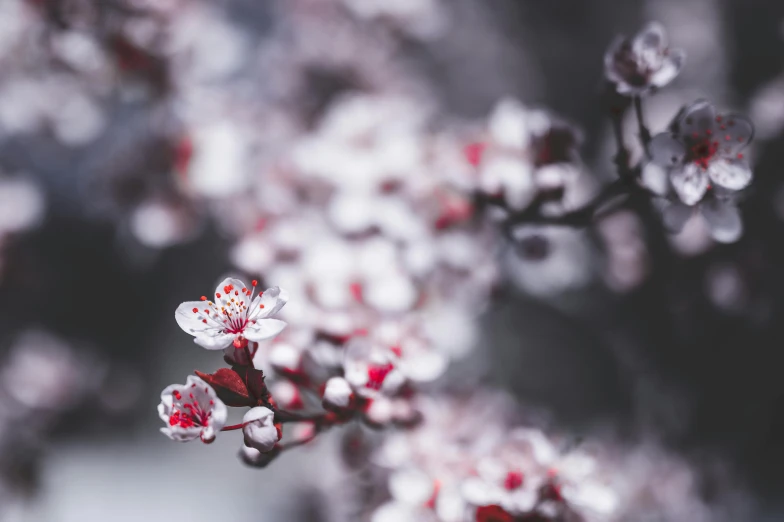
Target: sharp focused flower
236 316
704 148
258 426
191 410
644 62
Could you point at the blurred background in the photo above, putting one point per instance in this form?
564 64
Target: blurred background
147 145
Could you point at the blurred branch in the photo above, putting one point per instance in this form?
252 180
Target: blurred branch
645 134
609 199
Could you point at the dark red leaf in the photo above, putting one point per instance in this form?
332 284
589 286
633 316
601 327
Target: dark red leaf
253 380
229 386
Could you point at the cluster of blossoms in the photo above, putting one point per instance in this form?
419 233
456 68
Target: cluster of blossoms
381 225
697 166
46 384
465 462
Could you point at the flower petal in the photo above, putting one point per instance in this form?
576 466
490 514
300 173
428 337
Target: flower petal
264 329
666 150
269 303
230 288
690 183
670 67
611 57
734 133
508 124
675 215
652 37
193 322
732 174
216 341
698 117
723 219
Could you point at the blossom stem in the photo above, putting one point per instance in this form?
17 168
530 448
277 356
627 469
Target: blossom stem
232 427
295 443
581 217
288 416
645 134
248 355
622 156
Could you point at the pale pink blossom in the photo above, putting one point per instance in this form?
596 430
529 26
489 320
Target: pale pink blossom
644 62
704 150
191 410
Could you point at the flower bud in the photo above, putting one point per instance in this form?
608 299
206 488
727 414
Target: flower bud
257 459
337 394
260 430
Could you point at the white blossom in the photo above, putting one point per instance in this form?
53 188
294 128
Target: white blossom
236 316
644 62
191 410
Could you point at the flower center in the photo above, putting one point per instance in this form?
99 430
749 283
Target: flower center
231 312
704 151
189 413
376 375
514 479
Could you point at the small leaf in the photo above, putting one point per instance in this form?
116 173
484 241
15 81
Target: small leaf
253 380
229 386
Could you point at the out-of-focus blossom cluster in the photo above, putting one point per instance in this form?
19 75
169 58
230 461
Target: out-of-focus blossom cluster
44 383
22 206
467 462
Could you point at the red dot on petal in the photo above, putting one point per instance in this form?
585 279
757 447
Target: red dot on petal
204 298
217 295
195 310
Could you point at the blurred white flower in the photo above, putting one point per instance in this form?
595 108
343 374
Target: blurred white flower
370 368
43 373
337 394
21 204
160 224
191 411
221 161
720 214
643 63
548 259
704 148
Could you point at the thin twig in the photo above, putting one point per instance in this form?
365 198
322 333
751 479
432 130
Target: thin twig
645 134
581 217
